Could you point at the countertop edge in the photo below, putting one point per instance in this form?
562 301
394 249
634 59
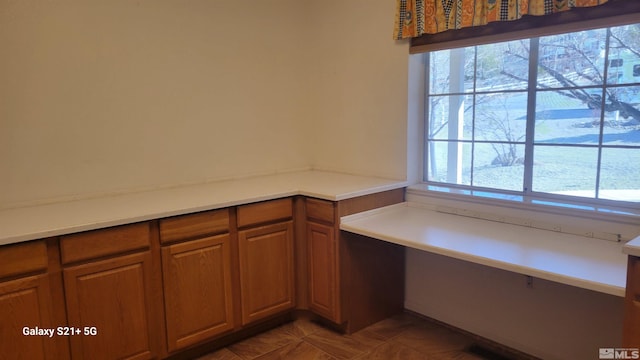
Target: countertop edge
17 225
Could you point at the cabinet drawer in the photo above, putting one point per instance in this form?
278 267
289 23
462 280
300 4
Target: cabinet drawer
194 225
320 210
23 258
262 212
104 242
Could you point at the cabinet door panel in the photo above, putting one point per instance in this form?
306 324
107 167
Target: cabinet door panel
323 281
25 303
631 334
197 283
266 270
113 296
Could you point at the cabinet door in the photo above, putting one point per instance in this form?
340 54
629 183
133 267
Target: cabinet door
114 296
266 270
631 335
25 303
323 281
197 286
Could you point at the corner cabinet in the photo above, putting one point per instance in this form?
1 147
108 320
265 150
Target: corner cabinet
631 337
322 257
265 242
345 271
196 270
108 278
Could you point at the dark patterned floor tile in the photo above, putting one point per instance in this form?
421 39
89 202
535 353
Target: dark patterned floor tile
264 343
338 345
429 339
299 350
222 354
393 351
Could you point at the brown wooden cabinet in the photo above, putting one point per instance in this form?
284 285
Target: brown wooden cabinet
164 288
110 288
631 338
25 302
322 259
197 278
352 282
266 259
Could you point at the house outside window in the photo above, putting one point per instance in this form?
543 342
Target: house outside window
553 117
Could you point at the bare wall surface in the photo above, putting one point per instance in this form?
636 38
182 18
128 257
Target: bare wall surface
359 88
102 97
548 320
115 95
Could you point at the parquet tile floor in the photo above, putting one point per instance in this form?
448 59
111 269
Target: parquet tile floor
404 337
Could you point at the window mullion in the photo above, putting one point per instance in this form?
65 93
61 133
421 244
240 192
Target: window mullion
534 44
426 140
603 105
473 114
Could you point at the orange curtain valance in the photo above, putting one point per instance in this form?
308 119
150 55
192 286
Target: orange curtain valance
417 17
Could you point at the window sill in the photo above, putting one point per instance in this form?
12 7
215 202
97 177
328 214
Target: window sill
505 202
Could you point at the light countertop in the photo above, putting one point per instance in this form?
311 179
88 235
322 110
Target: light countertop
35 222
632 247
589 263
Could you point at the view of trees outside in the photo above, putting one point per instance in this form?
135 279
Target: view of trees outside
586 126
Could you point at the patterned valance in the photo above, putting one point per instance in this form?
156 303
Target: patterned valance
418 17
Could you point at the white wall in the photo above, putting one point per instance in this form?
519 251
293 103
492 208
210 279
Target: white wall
107 96
359 86
100 96
550 320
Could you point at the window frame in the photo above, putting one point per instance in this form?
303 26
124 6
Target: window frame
527 196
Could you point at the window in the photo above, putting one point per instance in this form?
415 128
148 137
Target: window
614 63
550 117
